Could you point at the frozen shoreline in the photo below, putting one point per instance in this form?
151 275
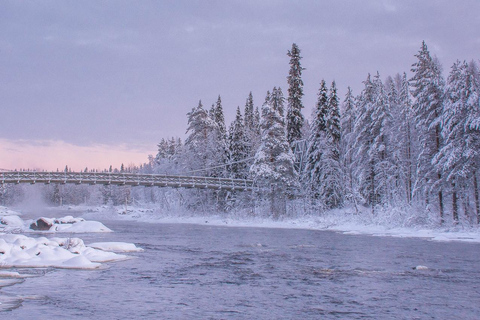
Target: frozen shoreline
338 222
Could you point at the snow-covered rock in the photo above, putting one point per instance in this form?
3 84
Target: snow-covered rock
420 268
68 224
12 221
23 251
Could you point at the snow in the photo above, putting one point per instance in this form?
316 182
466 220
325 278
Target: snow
18 250
68 224
115 246
342 221
22 251
80 227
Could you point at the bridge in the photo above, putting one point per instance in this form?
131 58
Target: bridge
129 179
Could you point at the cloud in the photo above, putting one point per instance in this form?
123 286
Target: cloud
55 154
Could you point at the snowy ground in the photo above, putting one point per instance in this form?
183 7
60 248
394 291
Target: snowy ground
343 221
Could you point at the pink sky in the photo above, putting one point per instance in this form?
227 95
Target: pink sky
52 154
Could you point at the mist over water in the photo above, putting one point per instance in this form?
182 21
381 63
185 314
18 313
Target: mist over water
33 202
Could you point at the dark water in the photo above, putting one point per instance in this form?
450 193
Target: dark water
207 272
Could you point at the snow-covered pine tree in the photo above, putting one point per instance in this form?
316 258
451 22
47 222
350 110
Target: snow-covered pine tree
348 117
407 144
219 118
238 148
373 158
332 183
459 157
219 145
273 168
428 90
199 141
473 127
313 172
392 89
167 158
252 126
295 117
323 171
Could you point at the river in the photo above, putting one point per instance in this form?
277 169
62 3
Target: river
209 272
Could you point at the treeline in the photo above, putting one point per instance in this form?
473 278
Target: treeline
403 142
410 142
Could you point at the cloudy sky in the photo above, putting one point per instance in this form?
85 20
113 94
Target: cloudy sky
94 83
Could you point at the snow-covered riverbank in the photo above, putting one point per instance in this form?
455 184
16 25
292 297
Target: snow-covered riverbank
343 221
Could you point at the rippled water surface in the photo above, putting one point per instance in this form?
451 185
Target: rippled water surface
206 272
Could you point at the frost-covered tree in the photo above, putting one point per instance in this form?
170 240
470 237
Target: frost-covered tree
427 88
167 159
458 159
238 148
218 147
219 118
295 118
252 126
200 139
323 170
313 169
273 168
373 159
405 138
348 117
333 182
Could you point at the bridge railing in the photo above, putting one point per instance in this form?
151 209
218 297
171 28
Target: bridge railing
132 179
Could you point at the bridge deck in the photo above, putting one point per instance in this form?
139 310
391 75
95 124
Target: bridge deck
131 179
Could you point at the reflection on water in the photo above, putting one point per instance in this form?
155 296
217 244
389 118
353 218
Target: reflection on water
207 272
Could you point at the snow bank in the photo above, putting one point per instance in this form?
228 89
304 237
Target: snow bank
13 223
22 251
394 223
66 224
80 227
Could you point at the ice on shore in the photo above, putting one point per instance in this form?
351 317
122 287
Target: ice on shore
116 246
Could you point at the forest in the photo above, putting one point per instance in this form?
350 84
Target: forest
405 143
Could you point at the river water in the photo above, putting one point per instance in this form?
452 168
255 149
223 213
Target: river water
209 272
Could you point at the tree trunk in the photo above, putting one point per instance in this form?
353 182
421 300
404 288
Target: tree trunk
475 191
372 187
409 163
440 203
440 193
454 204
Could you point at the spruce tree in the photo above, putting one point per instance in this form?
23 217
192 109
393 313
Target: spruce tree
238 148
323 169
295 118
459 157
313 173
273 168
348 117
427 88
251 125
373 161
200 139
407 143
219 147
